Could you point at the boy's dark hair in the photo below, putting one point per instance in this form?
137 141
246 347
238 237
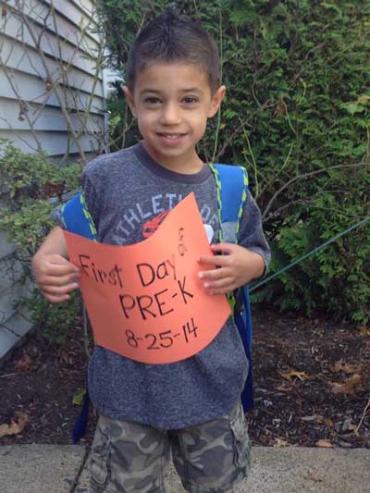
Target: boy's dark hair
171 37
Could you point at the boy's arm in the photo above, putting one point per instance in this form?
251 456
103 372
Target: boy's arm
55 276
236 265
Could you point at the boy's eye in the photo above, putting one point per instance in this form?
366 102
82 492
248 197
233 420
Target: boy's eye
151 100
190 100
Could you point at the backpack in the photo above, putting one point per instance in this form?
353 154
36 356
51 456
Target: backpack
231 189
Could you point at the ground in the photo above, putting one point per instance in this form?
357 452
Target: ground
312 385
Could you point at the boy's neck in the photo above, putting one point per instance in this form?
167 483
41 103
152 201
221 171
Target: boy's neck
188 164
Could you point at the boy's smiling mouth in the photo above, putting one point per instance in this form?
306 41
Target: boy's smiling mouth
171 138
171 135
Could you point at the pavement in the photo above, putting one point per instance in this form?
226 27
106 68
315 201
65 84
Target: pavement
63 469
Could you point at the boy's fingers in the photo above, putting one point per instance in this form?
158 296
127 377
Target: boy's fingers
58 259
55 265
60 269
56 298
224 248
210 275
221 254
220 287
55 280
56 274
224 283
58 290
220 260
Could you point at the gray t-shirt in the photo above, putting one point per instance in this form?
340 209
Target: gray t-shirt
124 191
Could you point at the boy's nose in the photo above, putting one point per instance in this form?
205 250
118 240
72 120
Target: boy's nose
170 114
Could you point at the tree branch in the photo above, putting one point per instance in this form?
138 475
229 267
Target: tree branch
303 176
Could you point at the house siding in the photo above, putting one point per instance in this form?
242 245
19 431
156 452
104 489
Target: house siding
48 67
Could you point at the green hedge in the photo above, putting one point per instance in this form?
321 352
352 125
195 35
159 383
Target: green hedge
31 186
297 115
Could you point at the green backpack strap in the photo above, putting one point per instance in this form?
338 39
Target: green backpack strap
231 188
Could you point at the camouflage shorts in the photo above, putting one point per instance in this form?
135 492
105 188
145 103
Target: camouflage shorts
129 457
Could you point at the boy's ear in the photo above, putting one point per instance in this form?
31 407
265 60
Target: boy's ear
130 99
216 101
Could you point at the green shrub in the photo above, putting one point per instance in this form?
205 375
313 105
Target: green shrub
55 321
31 186
297 115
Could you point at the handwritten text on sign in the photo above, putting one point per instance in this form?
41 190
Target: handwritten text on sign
145 301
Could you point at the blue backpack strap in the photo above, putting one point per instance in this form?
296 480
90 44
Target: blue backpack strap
244 322
232 183
231 187
76 217
80 426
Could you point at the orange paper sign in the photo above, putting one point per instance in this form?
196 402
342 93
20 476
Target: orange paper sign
145 301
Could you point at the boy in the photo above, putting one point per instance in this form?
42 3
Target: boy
191 408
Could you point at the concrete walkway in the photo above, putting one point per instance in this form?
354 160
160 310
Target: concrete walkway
62 469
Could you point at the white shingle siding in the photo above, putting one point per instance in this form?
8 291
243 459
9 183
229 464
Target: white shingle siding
76 97
48 61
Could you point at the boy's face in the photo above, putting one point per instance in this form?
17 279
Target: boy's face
172 102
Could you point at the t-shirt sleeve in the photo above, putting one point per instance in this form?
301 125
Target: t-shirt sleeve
251 233
56 217
90 196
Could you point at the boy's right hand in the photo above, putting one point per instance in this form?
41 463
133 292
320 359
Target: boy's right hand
55 276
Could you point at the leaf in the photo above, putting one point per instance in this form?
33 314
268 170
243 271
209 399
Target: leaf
348 425
314 417
285 386
16 426
312 477
347 387
364 99
289 375
78 397
24 364
352 108
344 366
280 442
324 444
365 331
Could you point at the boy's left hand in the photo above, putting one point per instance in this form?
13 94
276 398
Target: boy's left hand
234 267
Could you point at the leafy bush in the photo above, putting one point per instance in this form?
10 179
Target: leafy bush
336 279
297 115
31 186
54 321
